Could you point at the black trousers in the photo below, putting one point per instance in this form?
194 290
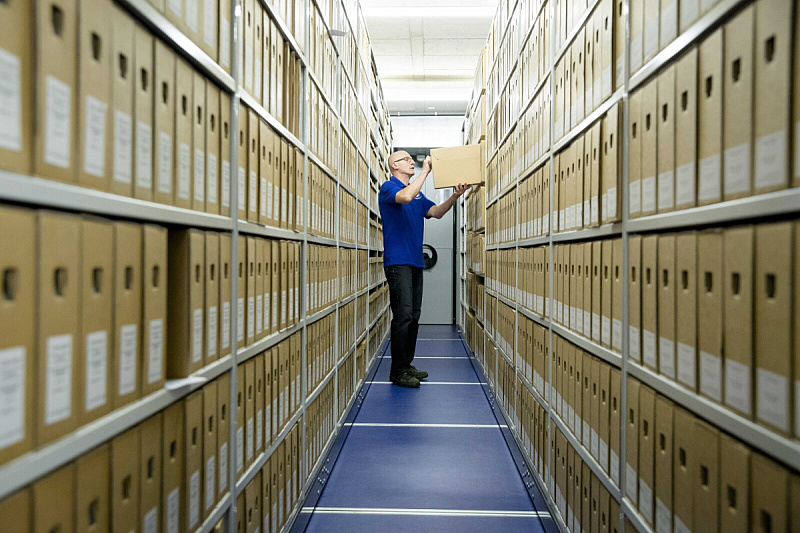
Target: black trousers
405 297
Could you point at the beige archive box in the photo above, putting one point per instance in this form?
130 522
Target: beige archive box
210 428
164 124
649 157
212 294
53 501
58 318
95 19
632 441
706 478
647 439
213 127
122 82
184 95
150 460
240 417
635 284
650 301
224 45
734 483
192 475
125 481
666 305
172 468
686 130
266 143
259 289
127 312
198 147
154 308
241 196
686 309
769 486
95 361
663 463
666 140
684 469
249 412
709 120
241 289
259 403
17 27
92 505
226 271
143 114
18 328
186 302
739 244
225 153
223 433
253 146
250 266
458 165
709 312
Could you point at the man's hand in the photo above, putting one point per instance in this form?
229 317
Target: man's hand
427 165
460 189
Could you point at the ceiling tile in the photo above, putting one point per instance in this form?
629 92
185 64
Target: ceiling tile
456 27
391 47
454 47
450 63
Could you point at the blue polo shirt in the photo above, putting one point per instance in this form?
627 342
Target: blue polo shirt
402 225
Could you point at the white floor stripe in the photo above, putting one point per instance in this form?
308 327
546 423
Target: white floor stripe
429 357
425 512
400 425
454 340
430 383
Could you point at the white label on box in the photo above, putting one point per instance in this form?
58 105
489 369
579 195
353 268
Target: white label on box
737 385
283 205
636 53
645 500
709 187
223 467
596 327
209 26
96 369
663 517
226 183
633 343
191 14
259 428
620 64
616 336
151 521
651 37
212 331
262 198
239 449
128 357
251 316
175 6
248 65
10 102
197 335
606 330
250 436
199 175
212 179
253 188
546 224
598 99
12 396
194 499
225 41
268 189
240 320
771 159
737 169
210 483
711 375
58 380
276 204
572 316
283 305
666 192
630 481
669 22
226 325
274 308
183 171
58 106
586 324
612 202
594 210
604 454
259 314
614 469
687 362
144 155
649 194
595 444
604 206
684 185
772 403
164 162
155 354
173 510
689 11
94 137
241 192
123 146
606 81
649 341
666 352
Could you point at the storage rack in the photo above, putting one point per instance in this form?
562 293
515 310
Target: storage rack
744 210
36 192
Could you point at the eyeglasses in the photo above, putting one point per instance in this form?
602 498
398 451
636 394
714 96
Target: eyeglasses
406 158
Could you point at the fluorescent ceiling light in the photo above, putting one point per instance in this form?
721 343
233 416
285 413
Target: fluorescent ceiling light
423 12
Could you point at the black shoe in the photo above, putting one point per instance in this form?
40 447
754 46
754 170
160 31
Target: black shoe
419 374
405 379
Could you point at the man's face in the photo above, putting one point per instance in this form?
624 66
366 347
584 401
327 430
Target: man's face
404 162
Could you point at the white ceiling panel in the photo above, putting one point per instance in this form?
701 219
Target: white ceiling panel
391 47
454 47
456 28
449 63
411 4
389 28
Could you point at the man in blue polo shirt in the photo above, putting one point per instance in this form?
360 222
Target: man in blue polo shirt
403 210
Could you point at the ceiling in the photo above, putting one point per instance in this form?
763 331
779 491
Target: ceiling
426 51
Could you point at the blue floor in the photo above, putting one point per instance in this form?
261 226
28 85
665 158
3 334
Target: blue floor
432 459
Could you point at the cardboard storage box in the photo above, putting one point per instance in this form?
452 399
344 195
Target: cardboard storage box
154 308
127 311
187 291
459 164
150 472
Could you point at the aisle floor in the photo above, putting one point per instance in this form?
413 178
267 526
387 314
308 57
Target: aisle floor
430 459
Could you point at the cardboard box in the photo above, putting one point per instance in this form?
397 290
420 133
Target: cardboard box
266 495
209 18
225 153
773 50
16 133
212 292
597 56
284 284
154 307
706 484
59 328
242 159
635 298
684 467
209 460
248 28
709 312
266 288
594 406
635 153
199 142
259 289
223 433
150 472
738 323
94 92
663 463
253 503
186 310
649 117
173 468
796 327
734 483
252 259
276 284
616 295
595 499
241 288
279 81
56 59
647 438
636 16
143 114
596 283
773 326
666 305
615 413
212 148
768 494
650 301
666 139
608 56
125 481
19 506
604 396
122 89
738 105
266 143
53 501
586 503
226 270
164 123
259 404
686 308
241 400
92 505
709 120
249 411
224 48
192 476
284 183
18 258
184 96
458 165
276 388
650 29
127 309
252 165
686 130
275 45
606 283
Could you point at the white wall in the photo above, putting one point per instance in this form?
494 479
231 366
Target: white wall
426 131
